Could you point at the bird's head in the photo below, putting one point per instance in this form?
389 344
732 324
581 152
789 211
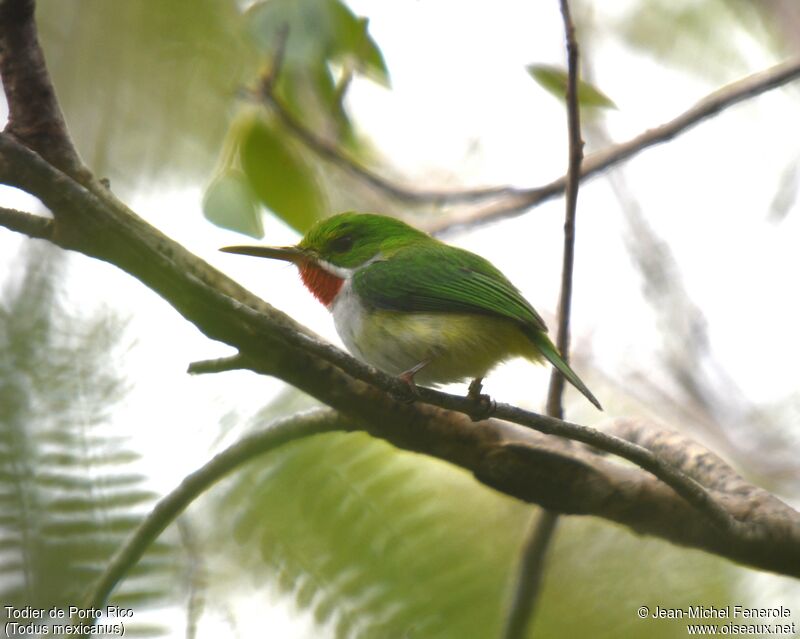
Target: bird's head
336 247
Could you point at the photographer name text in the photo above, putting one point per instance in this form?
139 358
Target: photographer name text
722 612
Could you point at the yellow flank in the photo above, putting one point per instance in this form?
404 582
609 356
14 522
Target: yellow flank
457 347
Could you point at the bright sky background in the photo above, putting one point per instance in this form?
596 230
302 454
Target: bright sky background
463 111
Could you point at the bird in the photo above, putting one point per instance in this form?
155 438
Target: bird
415 307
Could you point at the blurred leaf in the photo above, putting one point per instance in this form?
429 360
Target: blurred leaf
319 35
319 32
615 568
146 86
230 202
353 46
377 543
555 80
68 489
703 38
280 177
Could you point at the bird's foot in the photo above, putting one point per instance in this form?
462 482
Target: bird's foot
409 392
412 393
484 405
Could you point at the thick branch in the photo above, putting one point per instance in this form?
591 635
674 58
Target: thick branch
690 490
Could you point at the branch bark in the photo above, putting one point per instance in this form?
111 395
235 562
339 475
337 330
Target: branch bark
755 529
31 225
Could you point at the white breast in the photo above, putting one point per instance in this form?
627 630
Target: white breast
349 315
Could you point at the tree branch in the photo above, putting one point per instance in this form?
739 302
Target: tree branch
563 473
556 390
335 154
34 116
31 225
685 486
714 103
509 201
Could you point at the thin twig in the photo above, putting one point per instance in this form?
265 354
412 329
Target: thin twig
529 579
270 78
334 153
166 511
511 201
31 225
518 201
542 531
267 94
556 390
197 577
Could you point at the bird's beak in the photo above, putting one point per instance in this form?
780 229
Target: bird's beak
285 253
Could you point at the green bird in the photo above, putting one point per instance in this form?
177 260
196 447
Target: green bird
413 306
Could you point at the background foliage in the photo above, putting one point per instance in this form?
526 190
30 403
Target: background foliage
71 488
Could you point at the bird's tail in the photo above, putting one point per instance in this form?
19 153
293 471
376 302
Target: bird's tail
548 349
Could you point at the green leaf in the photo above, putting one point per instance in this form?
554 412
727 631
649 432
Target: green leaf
351 40
555 81
371 55
318 35
280 177
230 202
319 31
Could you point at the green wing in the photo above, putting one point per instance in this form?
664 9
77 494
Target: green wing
439 278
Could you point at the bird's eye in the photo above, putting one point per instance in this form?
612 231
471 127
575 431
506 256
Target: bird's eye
341 244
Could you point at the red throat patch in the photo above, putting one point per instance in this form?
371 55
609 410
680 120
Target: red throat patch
325 286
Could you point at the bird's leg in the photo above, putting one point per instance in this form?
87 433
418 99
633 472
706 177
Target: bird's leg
408 378
484 405
475 388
